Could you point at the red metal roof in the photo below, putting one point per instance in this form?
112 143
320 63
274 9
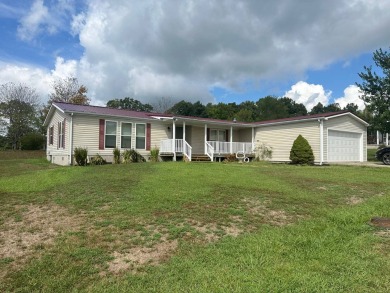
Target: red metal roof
66 107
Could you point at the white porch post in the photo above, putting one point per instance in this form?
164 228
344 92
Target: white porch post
377 137
231 139
184 130
321 141
174 139
205 138
253 139
387 138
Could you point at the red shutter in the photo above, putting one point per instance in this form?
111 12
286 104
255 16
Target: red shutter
227 135
208 134
63 133
101 134
148 136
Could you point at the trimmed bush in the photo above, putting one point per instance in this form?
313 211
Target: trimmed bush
117 156
154 152
301 152
263 152
132 156
97 160
81 156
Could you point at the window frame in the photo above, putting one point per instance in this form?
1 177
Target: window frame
105 133
61 135
51 135
131 134
217 134
136 136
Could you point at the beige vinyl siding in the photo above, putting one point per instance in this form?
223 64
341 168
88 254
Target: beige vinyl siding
245 135
86 134
59 156
281 138
348 124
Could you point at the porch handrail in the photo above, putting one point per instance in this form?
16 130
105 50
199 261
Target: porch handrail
223 147
187 150
209 151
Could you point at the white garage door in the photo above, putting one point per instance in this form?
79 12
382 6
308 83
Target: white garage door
344 146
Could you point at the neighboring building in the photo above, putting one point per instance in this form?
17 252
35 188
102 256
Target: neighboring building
334 137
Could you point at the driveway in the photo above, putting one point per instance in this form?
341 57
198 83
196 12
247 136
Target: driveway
366 164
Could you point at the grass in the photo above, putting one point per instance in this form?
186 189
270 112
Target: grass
371 155
174 227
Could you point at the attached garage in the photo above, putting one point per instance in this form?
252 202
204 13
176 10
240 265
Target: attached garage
334 137
344 146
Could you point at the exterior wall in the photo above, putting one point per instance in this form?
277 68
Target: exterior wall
86 134
245 135
54 154
345 123
281 138
197 139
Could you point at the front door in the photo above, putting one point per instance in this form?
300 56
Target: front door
179 132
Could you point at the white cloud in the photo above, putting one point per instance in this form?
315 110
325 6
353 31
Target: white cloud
351 95
30 24
181 49
308 94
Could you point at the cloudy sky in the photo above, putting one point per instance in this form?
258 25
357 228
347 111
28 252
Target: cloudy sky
207 50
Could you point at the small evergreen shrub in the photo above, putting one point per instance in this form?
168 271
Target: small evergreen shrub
301 152
117 156
81 156
97 160
132 156
154 152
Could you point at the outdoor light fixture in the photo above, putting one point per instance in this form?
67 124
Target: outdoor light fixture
169 128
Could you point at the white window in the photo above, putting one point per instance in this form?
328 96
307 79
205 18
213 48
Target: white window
126 135
217 135
140 136
110 135
61 135
51 134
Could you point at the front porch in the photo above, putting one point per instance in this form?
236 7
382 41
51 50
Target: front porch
213 149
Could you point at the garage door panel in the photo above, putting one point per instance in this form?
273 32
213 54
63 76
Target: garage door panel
343 146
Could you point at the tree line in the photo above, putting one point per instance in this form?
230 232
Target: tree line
22 117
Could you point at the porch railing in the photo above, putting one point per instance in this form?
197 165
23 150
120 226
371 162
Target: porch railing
176 146
210 151
222 147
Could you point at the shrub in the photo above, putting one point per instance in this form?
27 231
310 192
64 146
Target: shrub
81 156
230 158
33 141
263 152
154 152
301 152
132 156
117 156
97 160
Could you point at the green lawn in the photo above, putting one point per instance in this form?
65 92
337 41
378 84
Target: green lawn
192 227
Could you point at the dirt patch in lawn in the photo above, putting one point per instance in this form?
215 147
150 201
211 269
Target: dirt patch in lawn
34 228
354 200
133 258
274 217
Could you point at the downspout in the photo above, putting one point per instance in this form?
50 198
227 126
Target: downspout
71 139
321 140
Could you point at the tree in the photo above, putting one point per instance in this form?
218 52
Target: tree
68 90
222 111
185 108
317 109
162 105
129 104
375 90
294 109
270 108
18 104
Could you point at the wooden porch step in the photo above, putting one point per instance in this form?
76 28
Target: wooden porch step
200 158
